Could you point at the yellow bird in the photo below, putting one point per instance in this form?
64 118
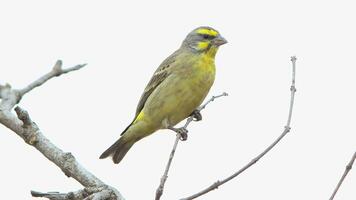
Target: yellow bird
176 89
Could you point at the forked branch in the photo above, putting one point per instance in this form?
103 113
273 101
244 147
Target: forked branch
164 177
24 127
254 160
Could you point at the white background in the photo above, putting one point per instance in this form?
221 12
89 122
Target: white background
123 42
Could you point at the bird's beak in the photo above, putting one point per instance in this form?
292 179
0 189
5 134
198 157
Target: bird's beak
219 41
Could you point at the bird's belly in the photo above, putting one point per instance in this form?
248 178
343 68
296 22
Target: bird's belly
177 99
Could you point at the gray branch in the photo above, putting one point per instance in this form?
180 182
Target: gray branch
257 158
164 177
56 71
347 169
23 126
89 193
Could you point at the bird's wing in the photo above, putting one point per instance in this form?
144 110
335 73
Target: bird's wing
163 71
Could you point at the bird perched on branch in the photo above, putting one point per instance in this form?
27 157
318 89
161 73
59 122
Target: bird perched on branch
176 89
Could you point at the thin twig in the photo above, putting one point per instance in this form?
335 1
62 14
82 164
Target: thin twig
56 71
160 188
10 97
253 161
347 169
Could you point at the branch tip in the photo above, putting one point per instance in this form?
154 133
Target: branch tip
58 65
5 90
41 194
6 86
23 116
56 71
83 65
258 157
293 58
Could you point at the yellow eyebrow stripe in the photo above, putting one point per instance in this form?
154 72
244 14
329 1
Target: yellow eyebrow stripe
206 31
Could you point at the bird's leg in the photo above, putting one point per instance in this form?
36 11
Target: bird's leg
196 115
182 131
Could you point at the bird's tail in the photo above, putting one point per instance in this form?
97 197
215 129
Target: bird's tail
119 149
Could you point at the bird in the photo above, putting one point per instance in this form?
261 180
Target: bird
175 91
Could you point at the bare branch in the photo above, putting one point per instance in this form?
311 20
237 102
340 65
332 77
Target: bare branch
3 88
98 193
66 161
164 177
253 161
347 169
24 127
80 194
56 71
10 97
30 132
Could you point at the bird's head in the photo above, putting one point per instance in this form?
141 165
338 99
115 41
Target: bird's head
204 39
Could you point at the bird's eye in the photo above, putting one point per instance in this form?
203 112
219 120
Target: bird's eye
205 36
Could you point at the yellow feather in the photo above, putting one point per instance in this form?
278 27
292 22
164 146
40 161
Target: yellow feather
207 60
139 117
206 31
203 45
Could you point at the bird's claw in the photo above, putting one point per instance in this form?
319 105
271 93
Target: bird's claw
196 115
183 132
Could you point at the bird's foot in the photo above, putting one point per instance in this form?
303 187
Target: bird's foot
183 132
196 115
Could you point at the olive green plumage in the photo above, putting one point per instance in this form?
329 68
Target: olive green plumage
176 89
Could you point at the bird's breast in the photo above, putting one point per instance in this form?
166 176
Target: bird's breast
204 72
192 88
182 92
